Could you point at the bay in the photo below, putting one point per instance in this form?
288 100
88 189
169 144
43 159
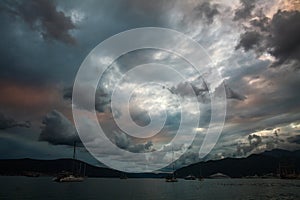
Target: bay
27 188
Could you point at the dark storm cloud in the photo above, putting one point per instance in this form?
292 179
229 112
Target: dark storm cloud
139 116
183 89
6 122
67 93
231 94
58 130
278 36
207 11
187 158
249 40
261 23
189 89
269 93
285 41
284 137
245 10
43 16
199 88
25 56
102 100
196 87
203 11
27 59
253 142
294 139
126 143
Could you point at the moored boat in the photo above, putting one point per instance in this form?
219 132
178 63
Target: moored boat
71 177
172 178
190 177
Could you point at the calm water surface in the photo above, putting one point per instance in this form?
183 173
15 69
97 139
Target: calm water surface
24 188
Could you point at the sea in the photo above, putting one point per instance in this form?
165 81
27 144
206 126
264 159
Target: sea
29 188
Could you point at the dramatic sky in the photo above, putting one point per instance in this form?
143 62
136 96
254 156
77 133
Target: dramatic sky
253 44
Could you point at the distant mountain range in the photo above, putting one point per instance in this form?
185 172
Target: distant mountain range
267 162
27 166
52 167
256 164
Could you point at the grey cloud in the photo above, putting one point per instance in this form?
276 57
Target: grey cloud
186 89
278 36
122 140
253 142
139 116
245 10
249 40
207 11
102 100
182 89
35 61
262 23
197 87
284 42
67 93
257 143
43 16
230 94
58 130
204 11
190 156
272 97
200 88
126 143
294 139
6 122
137 148
29 58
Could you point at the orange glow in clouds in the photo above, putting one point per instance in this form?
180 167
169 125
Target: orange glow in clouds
20 99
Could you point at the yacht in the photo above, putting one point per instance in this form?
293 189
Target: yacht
71 177
172 178
190 177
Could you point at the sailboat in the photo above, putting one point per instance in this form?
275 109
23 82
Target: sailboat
123 176
71 177
200 178
190 177
172 178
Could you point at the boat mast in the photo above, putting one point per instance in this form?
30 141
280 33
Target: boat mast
74 156
173 162
84 168
74 150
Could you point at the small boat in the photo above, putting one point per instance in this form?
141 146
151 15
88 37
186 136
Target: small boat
200 178
123 176
71 177
190 177
172 178
219 176
31 174
287 170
